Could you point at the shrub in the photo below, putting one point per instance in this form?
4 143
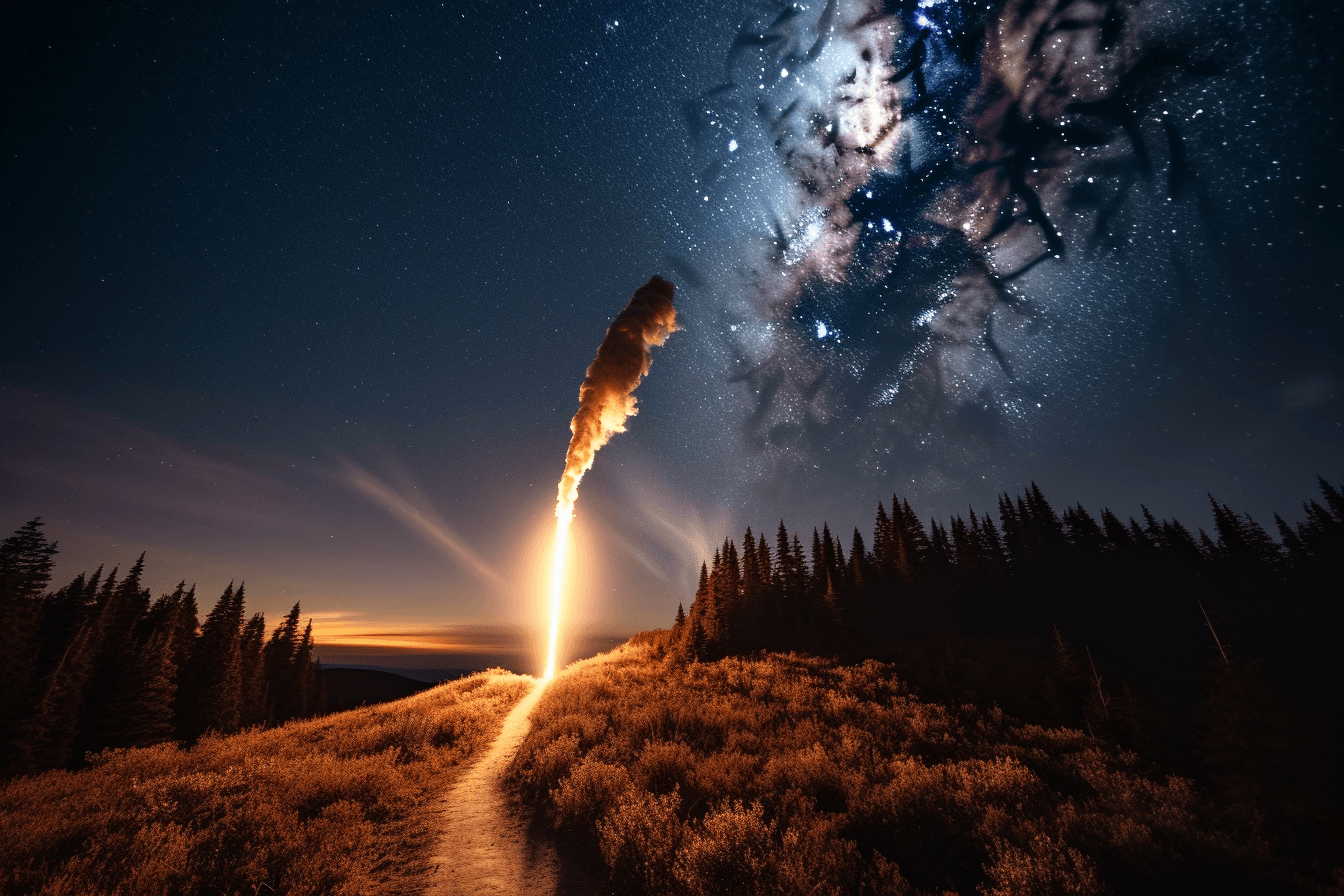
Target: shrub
331 805
793 774
639 838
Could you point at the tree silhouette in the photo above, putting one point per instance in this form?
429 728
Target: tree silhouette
212 678
25 569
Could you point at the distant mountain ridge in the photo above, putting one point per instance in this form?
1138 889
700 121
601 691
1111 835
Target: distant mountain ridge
349 688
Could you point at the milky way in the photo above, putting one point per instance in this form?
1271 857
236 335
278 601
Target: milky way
940 234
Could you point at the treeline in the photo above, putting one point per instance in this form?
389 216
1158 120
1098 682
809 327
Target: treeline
98 664
1213 655
1033 566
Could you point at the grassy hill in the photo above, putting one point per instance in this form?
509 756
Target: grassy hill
769 774
785 774
325 805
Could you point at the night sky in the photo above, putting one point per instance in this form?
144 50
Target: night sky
302 294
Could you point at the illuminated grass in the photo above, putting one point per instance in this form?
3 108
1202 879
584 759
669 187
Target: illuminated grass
788 774
327 805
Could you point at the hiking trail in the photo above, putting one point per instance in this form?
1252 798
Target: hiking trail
483 848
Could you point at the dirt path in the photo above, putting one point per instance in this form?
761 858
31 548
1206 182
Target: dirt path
483 850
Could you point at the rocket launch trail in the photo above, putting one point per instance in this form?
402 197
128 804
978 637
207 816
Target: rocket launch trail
606 400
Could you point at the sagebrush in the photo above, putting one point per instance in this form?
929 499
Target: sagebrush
332 805
789 774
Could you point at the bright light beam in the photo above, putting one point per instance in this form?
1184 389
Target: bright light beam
557 587
606 401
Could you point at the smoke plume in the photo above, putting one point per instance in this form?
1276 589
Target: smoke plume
607 396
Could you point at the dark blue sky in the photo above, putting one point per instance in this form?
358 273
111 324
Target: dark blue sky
283 281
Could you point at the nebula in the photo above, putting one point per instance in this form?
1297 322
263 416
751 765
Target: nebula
940 191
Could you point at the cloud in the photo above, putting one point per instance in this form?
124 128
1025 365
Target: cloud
411 508
52 447
1308 392
455 646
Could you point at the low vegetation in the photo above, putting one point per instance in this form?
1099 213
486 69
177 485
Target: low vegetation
332 805
789 774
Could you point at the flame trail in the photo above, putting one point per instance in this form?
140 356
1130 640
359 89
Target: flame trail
606 399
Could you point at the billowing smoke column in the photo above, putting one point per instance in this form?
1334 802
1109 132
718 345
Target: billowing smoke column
606 399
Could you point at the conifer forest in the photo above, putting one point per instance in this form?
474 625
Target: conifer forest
99 663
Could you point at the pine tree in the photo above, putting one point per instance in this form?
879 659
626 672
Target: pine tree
818 563
278 660
253 709
912 543
941 558
1140 538
728 598
763 564
1116 534
1045 525
117 665
1242 540
186 625
964 549
120 612
306 675
1178 541
884 542
1153 529
783 560
1064 681
800 570
994 550
1014 536
138 709
1299 557
751 570
696 645
859 564
1082 531
212 679
25 563
702 610
54 727
63 612
25 570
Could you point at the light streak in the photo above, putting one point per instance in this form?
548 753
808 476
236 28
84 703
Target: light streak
562 521
606 401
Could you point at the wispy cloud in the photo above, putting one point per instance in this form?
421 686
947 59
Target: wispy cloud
670 520
411 508
52 446
447 639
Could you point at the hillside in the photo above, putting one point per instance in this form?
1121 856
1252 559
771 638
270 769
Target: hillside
350 688
335 804
792 774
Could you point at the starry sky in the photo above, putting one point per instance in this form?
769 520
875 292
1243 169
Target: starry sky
302 294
